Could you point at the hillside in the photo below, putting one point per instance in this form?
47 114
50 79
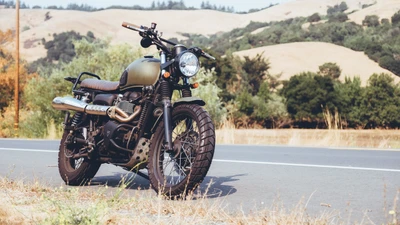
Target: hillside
107 23
293 58
383 9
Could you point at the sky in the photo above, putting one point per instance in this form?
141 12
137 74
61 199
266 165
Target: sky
239 5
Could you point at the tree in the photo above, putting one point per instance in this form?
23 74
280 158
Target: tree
391 64
338 17
307 94
209 92
371 21
314 18
385 21
255 71
343 7
350 94
381 102
7 72
396 19
330 69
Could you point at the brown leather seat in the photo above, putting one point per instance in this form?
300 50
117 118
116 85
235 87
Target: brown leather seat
102 85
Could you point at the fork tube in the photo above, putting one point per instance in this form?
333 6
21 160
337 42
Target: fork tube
166 99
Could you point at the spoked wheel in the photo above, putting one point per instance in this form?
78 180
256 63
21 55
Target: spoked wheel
74 171
180 171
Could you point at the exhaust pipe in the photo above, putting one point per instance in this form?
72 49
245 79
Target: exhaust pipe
70 103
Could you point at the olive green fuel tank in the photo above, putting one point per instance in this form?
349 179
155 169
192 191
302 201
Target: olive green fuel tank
142 72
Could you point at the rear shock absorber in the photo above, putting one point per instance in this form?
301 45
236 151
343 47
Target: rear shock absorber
76 119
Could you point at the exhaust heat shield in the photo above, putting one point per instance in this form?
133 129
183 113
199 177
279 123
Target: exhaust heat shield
70 103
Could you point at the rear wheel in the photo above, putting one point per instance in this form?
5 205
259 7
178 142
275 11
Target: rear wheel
178 172
74 171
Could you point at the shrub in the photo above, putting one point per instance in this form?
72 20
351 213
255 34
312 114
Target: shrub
330 69
371 21
338 17
307 94
337 8
381 102
314 18
256 70
385 21
391 64
396 19
209 92
97 57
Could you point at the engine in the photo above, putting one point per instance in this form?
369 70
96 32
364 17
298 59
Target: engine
121 137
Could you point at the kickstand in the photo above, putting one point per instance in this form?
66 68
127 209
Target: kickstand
141 174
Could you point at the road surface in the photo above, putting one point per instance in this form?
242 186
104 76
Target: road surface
353 185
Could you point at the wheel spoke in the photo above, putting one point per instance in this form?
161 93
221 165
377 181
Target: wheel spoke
175 167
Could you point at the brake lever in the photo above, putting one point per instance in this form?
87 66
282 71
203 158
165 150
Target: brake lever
208 56
200 52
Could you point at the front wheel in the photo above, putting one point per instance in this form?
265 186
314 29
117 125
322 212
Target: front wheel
178 172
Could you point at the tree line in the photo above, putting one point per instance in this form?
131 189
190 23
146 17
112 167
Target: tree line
163 5
378 38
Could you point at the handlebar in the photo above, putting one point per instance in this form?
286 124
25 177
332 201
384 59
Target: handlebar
133 27
146 32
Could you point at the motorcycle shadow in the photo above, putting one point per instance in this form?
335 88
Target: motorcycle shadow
212 187
122 180
217 187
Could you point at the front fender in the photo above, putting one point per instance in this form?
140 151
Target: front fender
185 100
189 100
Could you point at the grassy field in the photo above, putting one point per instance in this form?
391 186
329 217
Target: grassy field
35 203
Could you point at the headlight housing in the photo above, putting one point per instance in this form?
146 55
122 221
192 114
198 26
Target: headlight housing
188 64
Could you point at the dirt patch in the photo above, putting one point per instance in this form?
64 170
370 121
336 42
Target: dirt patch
31 43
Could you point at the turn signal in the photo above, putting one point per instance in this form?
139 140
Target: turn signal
166 75
195 85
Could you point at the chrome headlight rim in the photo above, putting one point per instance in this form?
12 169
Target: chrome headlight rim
182 61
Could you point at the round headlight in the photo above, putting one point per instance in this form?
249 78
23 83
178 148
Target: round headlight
189 64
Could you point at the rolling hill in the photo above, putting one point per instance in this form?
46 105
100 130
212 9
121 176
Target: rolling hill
107 23
293 58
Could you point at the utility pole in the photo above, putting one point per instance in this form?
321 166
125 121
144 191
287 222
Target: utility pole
16 89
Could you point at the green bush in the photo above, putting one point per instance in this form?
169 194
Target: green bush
338 17
330 69
371 21
396 19
307 94
209 92
391 64
381 102
350 94
314 18
97 57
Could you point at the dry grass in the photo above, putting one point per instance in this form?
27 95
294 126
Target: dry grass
35 203
387 139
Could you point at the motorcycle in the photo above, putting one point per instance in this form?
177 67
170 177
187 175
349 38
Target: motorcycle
134 124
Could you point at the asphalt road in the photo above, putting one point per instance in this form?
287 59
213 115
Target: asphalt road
353 185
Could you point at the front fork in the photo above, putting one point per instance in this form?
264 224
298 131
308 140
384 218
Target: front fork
166 100
166 94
